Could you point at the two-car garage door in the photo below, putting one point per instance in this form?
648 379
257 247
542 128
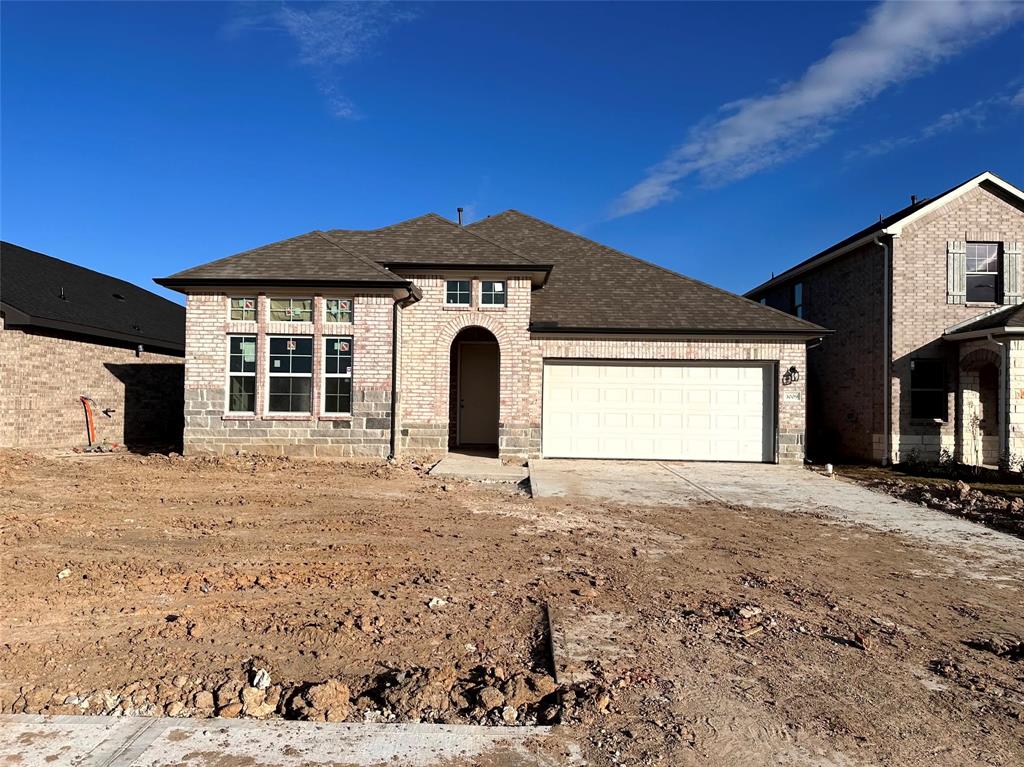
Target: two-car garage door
699 411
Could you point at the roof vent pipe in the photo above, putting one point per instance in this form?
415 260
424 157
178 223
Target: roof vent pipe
459 211
913 199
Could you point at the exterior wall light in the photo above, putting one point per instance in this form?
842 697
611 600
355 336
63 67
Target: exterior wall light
791 376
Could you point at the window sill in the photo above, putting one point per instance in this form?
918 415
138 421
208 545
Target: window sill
492 308
984 304
238 417
456 307
335 417
287 416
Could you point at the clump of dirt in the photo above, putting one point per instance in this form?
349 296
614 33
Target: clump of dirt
960 499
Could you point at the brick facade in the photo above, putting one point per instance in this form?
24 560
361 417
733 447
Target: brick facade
209 428
425 331
44 374
846 399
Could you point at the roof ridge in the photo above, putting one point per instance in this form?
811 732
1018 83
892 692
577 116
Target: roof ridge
715 288
481 237
373 264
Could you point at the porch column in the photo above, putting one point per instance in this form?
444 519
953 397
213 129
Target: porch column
1014 408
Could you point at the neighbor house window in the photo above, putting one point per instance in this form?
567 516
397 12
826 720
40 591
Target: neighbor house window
763 302
338 309
798 299
338 375
492 292
291 309
456 293
928 389
983 272
241 374
243 309
290 374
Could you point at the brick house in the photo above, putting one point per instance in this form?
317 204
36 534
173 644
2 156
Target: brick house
66 333
928 351
509 334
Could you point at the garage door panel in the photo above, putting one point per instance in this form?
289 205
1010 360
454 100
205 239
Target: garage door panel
657 411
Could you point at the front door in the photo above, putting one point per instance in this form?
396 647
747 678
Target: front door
478 393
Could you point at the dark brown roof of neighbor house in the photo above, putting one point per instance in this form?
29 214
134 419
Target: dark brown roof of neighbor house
308 258
1009 317
40 291
431 240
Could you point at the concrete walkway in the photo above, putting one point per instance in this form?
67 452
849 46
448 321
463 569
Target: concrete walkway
481 466
786 488
104 741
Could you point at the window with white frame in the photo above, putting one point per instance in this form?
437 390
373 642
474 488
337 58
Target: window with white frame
338 375
492 293
241 374
983 272
338 309
291 309
456 293
243 309
798 299
290 374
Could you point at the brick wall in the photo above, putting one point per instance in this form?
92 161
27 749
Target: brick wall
791 397
429 327
43 374
845 381
1014 356
208 428
920 311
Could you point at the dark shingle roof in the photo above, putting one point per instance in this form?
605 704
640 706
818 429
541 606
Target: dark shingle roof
93 304
594 287
312 257
430 240
1010 317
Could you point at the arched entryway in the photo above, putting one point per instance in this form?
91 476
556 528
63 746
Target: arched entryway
473 395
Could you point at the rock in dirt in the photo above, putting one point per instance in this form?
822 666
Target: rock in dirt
63 574
203 700
436 602
230 711
490 698
261 679
328 701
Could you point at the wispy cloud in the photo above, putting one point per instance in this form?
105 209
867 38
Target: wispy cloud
328 36
897 41
974 116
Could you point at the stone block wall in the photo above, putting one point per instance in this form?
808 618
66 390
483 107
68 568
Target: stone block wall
43 374
366 432
1014 356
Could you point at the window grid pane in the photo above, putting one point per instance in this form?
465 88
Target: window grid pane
338 375
337 395
338 309
291 354
983 257
242 394
457 292
291 310
290 394
243 309
492 293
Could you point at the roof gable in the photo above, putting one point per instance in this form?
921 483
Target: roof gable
595 287
42 291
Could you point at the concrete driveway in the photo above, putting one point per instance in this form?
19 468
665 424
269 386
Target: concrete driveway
755 485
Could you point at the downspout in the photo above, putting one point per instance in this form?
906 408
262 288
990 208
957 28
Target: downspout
887 344
412 296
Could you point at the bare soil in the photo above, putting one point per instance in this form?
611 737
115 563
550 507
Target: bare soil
702 635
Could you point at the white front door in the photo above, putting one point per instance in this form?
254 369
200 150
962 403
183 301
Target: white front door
684 411
478 393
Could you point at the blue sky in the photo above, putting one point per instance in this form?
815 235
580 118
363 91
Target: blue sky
723 140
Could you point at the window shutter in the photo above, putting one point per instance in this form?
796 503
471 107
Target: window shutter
1011 273
956 272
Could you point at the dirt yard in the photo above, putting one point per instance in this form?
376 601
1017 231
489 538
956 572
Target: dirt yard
705 635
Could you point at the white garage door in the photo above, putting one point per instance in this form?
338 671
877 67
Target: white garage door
704 412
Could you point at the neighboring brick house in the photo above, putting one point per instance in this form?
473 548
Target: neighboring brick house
66 333
509 334
928 351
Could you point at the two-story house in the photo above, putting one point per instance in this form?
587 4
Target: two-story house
509 333
928 351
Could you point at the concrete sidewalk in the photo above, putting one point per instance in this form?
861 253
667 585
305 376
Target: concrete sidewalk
480 466
105 741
